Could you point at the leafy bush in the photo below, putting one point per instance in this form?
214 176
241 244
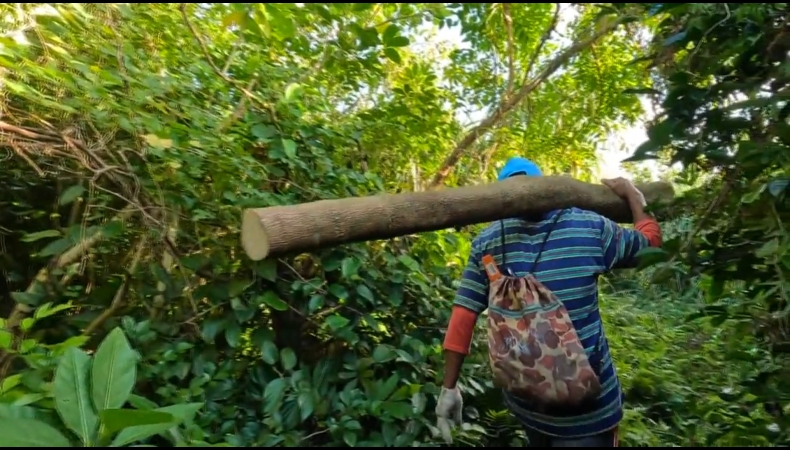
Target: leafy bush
89 393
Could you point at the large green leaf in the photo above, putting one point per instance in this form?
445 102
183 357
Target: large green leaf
13 411
72 395
70 194
271 299
269 352
114 371
273 394
10 411
181 414
16 432
141 402
139 433
114 420
288 358
32 237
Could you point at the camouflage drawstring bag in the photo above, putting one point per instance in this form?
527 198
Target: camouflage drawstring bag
534 349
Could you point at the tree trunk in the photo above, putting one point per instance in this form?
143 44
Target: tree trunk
310 226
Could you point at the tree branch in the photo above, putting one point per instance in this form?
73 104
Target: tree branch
239 111
546 36
120 294
213 65
511 70
232 54
202 44
507 104
167 264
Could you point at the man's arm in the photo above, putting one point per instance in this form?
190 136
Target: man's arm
620 245
470 300
457 342
637 203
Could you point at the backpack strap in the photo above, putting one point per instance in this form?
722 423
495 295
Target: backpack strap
545 239
490 267
502 237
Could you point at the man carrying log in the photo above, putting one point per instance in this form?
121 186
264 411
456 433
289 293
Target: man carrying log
538 278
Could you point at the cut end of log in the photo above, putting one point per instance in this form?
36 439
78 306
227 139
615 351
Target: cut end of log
253 236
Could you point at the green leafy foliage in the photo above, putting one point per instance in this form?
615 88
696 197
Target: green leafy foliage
31 433
722 71
72 395
113 371
88 417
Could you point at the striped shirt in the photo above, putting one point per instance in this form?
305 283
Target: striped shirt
582 245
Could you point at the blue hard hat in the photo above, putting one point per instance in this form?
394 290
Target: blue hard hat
519 166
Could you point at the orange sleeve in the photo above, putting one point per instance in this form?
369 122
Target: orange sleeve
652 231
459 332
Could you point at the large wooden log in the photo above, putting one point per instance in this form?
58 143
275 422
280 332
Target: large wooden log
310 226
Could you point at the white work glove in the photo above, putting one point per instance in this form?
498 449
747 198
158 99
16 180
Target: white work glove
448 412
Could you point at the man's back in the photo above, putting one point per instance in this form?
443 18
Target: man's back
581 246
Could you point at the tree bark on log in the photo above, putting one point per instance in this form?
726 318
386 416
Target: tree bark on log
311 226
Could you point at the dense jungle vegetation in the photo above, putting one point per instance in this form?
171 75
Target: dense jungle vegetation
133 135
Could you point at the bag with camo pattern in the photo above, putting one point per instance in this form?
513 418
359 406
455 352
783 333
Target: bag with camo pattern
534 349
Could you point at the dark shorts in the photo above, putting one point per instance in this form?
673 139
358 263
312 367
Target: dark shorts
605 439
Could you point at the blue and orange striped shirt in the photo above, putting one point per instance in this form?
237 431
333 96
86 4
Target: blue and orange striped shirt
582 245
